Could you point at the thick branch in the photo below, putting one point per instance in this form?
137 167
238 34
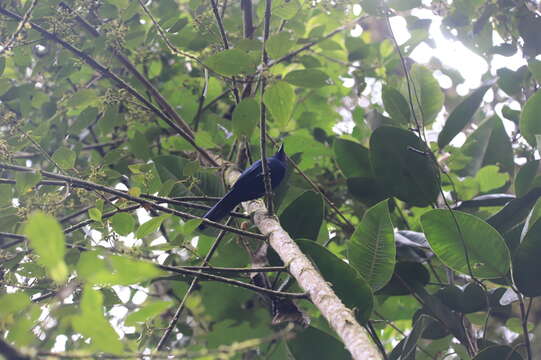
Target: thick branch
341 319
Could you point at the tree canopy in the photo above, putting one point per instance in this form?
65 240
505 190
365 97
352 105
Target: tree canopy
408 224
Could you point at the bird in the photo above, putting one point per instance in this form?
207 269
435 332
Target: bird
249 186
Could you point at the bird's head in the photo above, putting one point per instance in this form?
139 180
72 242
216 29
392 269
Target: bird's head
281 154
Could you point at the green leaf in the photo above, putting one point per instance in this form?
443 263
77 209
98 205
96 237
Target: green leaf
6 194
529 118
147 312
490 178
230 62
285 9
92 323
312 343
309 78
94 214
366 189
526 262
279 44
47 239
24 181
348 284
2 64
13 303
123 223
150 226
407 276
403 5
246 117
515 211
467 299
498 352
488 258
303 217
489 144
280 99
353 159
371 248
396 105
528 177
399 161
428 94
93 268
5 85
410 345
83 98
65 157
85 118
533 65
461 115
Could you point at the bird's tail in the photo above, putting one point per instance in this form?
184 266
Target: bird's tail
222 207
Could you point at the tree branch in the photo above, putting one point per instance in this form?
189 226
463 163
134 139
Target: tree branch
122 194
262 113
106 72
341 319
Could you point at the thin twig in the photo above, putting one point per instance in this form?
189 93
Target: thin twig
524 323
22 24
313 43
263 112
108 73
126 195
208 276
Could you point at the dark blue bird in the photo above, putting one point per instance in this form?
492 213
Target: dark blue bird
249 186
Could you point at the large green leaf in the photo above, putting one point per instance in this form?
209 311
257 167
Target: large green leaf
13 303
453 235
230 62
515 212
312 343
147 312
92 323
279 44
396 105
425 92
246 117
461 115
285 9
309 78
114 270
498 352
47 239
150 226
367 189
26 180
280 99
371 248
347 283
529 119
302 218
489 144
410 345
123 223
528 177
404 165
526 262
353 159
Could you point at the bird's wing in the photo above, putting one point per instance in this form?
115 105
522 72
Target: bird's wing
254 171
